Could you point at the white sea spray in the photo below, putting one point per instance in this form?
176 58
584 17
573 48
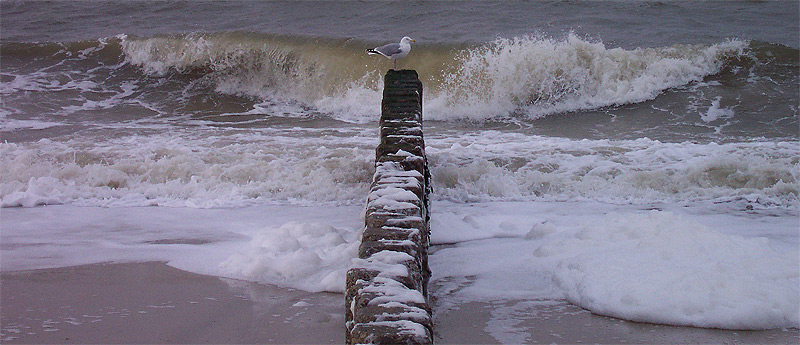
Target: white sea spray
533 75
541 76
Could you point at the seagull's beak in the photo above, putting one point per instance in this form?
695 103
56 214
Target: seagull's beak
413 40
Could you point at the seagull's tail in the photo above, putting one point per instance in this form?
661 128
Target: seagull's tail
373 52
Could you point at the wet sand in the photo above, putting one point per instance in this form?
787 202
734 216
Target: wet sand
553 322
152 303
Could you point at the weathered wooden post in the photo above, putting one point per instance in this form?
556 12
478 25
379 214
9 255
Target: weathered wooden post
386 298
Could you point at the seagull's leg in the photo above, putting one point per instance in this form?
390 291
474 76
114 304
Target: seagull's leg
395 63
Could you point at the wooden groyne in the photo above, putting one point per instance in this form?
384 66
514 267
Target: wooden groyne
386 296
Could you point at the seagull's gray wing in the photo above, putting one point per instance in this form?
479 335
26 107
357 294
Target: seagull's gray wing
389 49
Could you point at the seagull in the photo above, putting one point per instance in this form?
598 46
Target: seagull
394 51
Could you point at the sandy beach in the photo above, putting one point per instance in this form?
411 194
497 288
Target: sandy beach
152 303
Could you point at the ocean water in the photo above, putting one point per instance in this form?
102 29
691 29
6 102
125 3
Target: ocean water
638 159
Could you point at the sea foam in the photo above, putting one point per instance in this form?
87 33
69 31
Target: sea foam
715 112
530 75
678 267
508 166
310 256
660 268
187 170
195 169
540 76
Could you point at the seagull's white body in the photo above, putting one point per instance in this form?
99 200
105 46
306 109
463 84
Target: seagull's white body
393 51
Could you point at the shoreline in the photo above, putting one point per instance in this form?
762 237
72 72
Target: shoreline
151 302
559 322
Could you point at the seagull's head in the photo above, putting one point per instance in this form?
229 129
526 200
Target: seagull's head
407 40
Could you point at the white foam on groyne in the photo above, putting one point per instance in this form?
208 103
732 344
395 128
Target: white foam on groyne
386 294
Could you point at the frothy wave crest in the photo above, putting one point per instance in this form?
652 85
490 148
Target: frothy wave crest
539 77
533 76
184 169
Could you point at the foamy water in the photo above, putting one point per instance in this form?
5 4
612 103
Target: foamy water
311 166
695 267
191 170
565 256
536 75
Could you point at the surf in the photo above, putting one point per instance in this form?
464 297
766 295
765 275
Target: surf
531 75
526 77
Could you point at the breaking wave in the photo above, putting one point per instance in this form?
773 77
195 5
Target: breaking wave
534 76
528 77
189 170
